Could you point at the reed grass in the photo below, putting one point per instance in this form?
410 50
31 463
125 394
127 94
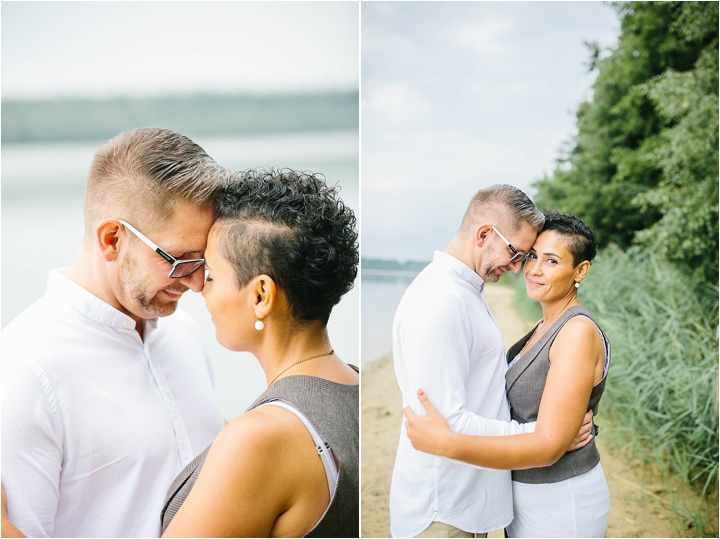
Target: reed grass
661 397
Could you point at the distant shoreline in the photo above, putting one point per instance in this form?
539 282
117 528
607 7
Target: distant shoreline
388 272
203 114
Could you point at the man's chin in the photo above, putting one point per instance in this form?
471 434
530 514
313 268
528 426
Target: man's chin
158 309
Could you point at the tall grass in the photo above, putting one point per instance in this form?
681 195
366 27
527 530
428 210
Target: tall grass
663 385
662 391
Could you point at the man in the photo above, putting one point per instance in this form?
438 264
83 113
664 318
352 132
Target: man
446 341
106 394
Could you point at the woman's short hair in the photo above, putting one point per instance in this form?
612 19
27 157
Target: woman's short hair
141 174
292 227
580 237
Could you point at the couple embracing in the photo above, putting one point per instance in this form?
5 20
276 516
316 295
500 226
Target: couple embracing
494 440
110 427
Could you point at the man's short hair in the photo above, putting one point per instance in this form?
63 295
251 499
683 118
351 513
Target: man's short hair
506 203
140 175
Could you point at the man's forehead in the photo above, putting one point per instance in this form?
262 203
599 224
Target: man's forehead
525 237
189 238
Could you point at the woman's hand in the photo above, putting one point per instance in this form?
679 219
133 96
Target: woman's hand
585 434
430 432
8 528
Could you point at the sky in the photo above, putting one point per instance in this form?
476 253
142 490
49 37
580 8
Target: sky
457 96
101 49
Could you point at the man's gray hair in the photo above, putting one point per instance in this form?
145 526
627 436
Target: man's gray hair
505 202
140 175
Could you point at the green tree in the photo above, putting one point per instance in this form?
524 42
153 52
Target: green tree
687 155
643 168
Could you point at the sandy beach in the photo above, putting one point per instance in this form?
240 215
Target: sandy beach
636 510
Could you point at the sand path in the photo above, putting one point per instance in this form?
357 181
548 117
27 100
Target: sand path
633 512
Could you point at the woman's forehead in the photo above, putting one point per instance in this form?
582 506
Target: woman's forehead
553 241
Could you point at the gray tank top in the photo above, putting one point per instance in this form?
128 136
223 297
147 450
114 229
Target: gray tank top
334 410
525 382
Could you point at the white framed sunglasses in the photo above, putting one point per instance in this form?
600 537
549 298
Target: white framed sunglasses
517 255
180 268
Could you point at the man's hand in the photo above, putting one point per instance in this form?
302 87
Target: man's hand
585 433
8 528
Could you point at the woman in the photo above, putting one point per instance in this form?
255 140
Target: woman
281 254
556 374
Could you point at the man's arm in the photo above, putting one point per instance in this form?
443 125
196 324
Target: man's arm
435 339
31 450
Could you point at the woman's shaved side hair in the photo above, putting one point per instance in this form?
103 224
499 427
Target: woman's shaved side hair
140 175
506 204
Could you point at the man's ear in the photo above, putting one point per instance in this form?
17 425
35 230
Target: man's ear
481 234
107 237
264 295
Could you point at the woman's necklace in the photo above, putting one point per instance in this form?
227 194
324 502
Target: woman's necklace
332 351
538 334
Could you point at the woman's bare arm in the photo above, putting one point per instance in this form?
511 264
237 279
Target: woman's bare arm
574 358
255 481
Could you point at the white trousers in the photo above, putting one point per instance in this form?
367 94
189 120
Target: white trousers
576 507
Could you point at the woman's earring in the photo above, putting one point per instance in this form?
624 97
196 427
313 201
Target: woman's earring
259 325
577 285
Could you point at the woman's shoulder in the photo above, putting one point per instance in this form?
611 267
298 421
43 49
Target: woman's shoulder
256 466
260 443
263 425
578 334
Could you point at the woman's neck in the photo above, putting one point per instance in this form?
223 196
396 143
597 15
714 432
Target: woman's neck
286 349
553 310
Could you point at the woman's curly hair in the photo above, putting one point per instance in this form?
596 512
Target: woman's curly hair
293 227
580 237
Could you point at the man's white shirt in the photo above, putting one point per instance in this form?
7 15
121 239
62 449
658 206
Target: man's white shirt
446 342
96 423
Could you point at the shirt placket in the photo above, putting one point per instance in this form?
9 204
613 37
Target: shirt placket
181 436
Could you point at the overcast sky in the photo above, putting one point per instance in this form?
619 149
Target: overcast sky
457 96
97 49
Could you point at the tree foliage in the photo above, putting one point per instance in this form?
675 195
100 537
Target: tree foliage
643 168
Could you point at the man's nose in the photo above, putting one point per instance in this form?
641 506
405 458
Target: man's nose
516 266
195 280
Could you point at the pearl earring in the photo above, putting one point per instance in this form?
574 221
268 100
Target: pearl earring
259 325
577 285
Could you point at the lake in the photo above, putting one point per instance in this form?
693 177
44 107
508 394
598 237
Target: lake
381 293
42 228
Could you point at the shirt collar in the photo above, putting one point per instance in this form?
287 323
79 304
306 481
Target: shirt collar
86 303
462 270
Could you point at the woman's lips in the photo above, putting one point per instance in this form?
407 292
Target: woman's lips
534 283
